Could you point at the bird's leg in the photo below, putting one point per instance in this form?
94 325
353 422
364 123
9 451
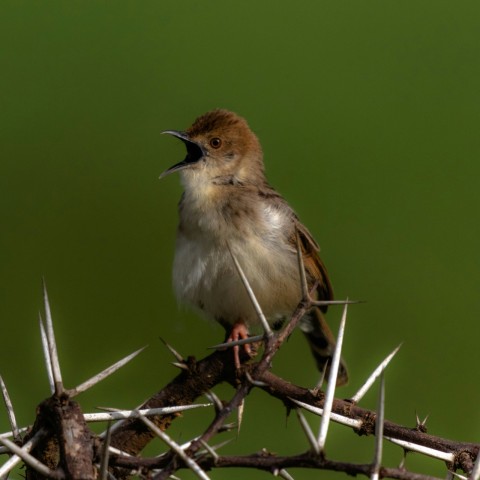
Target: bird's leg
239 331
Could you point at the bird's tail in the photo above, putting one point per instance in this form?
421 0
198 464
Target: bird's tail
322 344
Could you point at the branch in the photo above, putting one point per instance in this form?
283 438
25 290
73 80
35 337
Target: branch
60 444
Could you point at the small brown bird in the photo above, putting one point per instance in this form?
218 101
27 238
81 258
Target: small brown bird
227 200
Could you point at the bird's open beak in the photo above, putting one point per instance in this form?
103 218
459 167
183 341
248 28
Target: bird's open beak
195 152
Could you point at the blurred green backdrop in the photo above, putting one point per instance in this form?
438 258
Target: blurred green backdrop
368 113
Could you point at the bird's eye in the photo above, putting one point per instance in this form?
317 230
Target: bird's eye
215 142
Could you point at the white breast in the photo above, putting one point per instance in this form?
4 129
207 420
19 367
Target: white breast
204 275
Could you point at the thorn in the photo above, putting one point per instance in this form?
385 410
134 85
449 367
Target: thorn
251 294
178 357
46 355
420 425
175 447
431 452
234 343
114 414
284 474
240 415
314 391
377 458
227 427
31 461
52 345
10 433
256 383
335 417
115 426
371 379
217 403
301 268
105 454
181 366
210 450
116 451
14 460
308 431
452 475
332 382
218 446
10 412
103 374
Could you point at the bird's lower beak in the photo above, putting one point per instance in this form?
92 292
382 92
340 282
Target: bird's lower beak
195 152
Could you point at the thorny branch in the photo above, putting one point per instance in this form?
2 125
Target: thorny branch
60 444
272 463
201 376
184 386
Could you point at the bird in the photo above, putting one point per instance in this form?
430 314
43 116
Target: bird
228 208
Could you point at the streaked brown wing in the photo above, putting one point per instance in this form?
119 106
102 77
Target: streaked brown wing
316 270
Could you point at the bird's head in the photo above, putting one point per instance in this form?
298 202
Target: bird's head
220 148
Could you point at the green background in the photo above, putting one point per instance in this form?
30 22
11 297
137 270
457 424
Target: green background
368 112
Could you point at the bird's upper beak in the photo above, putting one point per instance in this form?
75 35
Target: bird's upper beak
194 152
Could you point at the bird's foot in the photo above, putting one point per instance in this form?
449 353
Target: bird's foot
239 331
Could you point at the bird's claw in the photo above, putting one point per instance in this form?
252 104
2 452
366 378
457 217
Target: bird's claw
239 332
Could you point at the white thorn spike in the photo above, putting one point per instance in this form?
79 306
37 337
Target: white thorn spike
105 454
14 460
240 411
218 446
180 365
301 267
453 475
227 427
52 345
308 431
116 425
335 417
332 381
104 374
284 474
46 356
377 459
116 451
177 356
431 452
10 433
175 447
10 411
321 380
251 294
31 460
210 450
212 396
124 414
371 379
256 383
